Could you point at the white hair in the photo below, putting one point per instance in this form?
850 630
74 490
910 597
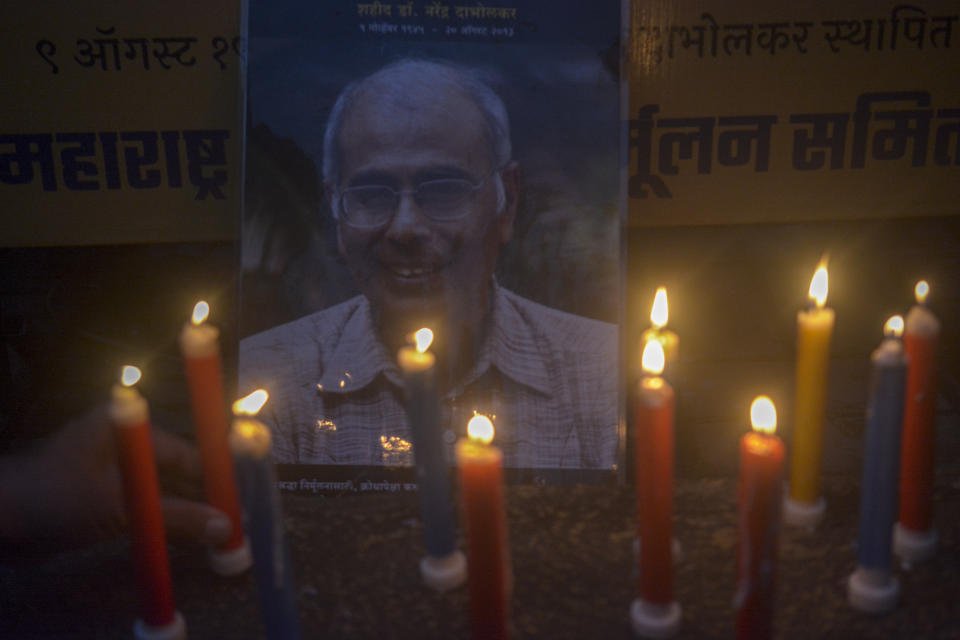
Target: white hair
400 81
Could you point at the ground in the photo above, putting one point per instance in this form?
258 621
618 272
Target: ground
355 562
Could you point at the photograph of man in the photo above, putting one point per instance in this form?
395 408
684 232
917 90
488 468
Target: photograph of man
420 178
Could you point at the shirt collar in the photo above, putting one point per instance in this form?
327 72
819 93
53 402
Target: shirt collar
355 359
512 346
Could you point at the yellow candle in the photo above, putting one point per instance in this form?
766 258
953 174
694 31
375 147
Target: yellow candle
814 328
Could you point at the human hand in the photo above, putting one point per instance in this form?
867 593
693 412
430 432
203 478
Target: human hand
66 491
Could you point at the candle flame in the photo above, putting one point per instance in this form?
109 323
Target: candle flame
129 375
921 291
819 286
763 415
660 311
480 429
251 404
200 312
893 328
653 358
423 338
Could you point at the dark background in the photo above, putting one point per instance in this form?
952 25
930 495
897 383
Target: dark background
71 317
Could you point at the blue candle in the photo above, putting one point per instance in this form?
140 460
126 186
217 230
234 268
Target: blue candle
445 566
872 588
251 446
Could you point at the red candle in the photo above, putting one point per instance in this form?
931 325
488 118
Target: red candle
488 562
655 613
148 542
201 355
914 537
759 502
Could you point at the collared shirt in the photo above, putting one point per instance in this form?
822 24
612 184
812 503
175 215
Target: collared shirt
548 378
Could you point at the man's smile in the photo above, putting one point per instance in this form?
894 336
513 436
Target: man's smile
413 271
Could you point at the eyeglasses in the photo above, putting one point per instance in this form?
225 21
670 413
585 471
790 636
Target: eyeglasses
371 206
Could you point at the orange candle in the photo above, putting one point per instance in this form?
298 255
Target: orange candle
654 613
488 560
201 356
148 543
758 506
914 537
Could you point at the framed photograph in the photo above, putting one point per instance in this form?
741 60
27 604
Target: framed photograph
442 166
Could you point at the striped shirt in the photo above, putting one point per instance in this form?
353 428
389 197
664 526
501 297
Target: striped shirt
548 378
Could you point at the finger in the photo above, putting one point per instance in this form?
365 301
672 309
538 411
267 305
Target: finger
175 484
195 521
175 454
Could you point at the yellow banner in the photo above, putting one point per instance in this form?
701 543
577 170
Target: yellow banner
754 112
119 122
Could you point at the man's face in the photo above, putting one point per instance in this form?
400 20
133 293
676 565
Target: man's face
414 269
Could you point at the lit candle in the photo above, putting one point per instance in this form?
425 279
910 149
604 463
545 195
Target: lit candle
914 537
199 344
872 588
250 443
444 566
659 315
758 505
805 506
481 489
148 542
655 613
